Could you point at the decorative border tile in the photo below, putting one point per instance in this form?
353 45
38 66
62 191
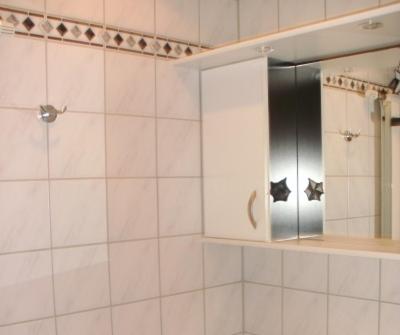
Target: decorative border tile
354 85
41 25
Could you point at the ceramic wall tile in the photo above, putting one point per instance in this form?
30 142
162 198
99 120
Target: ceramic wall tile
78 212
25 83
132 209
359 227
334 115
389 319
336 191
76 146
178 19
304 270
374 163
295 13
130 147
181 264
224 310
218 21
390 285
304 313
41 327
80 278
75 77
359 196
374 195
222 264
97 322
23 145
357 114
352 316
130 14
354 276
359 162
25 287
26 228
25 4
183 314
335 155
178 148
91 10
172 79
139 318
130 85
335 227
263 309
134 271
257 17
345 7
179 206
263 265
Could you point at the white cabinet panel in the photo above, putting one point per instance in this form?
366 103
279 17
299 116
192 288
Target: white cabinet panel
235 150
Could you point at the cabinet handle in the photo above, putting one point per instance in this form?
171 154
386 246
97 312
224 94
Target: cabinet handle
250 203
314 190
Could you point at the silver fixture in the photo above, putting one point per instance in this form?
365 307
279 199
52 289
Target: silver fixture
348 135
395 83
371 25
49 113
250 203
6 28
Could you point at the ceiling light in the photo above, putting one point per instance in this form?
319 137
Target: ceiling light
371 25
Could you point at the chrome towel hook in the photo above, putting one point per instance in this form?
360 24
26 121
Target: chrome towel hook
348 135
49 113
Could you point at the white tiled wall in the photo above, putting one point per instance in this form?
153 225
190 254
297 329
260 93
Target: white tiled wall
352 169
319 294
100 211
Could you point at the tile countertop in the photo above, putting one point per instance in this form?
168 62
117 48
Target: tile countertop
326 244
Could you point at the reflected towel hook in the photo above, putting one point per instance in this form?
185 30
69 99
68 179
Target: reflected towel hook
49 113
348 135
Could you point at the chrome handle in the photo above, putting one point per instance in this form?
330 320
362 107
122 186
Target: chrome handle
49 113
250 203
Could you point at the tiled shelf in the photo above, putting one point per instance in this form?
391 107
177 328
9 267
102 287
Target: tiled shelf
310 42
334 245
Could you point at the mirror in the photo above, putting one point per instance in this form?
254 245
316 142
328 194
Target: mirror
361 144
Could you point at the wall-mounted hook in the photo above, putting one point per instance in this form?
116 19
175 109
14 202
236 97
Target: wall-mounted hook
49 113
348 135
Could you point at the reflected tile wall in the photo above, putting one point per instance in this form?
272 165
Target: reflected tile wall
352 207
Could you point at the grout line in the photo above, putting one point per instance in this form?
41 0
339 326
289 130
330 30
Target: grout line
282 293
203 247
94 178
327 291
380 296
117 304
106 179
48 183
243 290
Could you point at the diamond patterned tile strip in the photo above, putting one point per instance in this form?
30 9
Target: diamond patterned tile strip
56 27
76 31
89 34
46 26
28 23
118 39
167 48
131 41
13 20
62 29
142 44
106 36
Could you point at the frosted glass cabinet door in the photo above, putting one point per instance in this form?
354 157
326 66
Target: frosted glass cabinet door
235 151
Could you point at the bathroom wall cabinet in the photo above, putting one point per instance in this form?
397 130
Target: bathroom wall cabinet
262 151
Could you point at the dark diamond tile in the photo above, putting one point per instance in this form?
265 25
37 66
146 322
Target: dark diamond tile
188 51
89 34
118 39
167 48
62 29
142 43
28 23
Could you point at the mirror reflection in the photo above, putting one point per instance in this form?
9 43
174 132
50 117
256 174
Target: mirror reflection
361 144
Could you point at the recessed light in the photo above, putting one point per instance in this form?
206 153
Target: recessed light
371 25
